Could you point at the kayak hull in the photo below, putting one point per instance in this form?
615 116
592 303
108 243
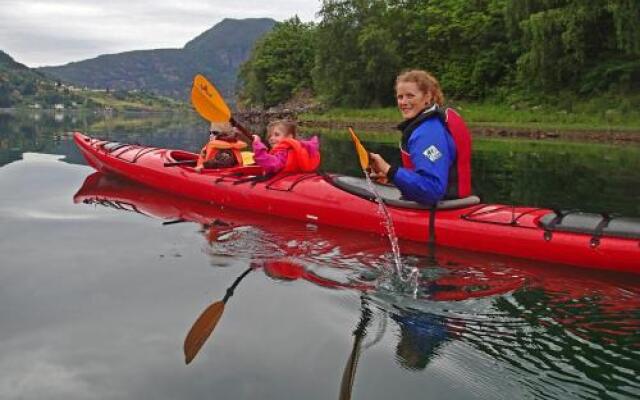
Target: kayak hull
314 198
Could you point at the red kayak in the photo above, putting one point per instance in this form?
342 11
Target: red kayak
579 239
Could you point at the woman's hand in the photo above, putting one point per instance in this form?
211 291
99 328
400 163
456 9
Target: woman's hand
379 167
256 139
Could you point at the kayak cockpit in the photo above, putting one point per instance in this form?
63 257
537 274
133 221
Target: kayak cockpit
181 156
392 196
187 159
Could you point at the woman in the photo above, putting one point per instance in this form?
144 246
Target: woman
430 168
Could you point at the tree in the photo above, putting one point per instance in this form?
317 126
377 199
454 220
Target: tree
476 48
363 44
357 56
577 45
280 64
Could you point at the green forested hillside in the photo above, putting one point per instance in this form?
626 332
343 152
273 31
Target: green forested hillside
216 53
17 81
21 86
509 51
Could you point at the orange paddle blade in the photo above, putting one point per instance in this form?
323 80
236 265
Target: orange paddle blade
363 154
208 102
201 330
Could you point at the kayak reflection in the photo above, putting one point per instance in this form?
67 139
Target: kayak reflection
528 315
291 249
337 258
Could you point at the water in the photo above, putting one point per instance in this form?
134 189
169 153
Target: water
97 294
401 278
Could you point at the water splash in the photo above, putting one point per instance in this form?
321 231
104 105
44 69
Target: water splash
401 278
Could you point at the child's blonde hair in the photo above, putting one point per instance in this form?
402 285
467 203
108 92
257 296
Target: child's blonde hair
222 127
289 126
222 131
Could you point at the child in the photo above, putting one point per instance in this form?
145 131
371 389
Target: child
287 154
223 149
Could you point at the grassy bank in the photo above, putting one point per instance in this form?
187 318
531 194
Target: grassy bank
132 101
581 117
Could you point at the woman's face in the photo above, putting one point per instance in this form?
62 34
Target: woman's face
276 134
411 100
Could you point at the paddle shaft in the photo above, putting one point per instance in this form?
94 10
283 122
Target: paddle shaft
248 135
349 374
235 283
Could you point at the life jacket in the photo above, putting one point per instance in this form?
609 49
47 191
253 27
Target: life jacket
212 148
298 158
459 184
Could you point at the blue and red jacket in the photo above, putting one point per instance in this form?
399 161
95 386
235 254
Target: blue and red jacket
436 155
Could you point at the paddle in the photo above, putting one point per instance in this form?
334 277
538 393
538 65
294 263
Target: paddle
207 321
349 374
211 106
363 156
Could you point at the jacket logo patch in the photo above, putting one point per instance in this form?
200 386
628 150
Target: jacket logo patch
432 153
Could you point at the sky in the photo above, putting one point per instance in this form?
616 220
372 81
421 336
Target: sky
55 32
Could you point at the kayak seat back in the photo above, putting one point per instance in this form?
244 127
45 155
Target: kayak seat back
596 225
392 196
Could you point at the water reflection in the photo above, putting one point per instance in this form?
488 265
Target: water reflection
207 321
552 331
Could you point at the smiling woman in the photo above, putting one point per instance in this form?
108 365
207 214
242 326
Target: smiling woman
435 145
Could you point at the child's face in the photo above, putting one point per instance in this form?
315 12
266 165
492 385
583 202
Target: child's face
276 134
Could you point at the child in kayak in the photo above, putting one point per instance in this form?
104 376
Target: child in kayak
222 150
287 153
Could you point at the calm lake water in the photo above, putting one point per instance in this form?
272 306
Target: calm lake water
99 286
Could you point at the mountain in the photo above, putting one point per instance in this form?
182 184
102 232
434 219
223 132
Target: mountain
216 53
17 81
21 86
7 63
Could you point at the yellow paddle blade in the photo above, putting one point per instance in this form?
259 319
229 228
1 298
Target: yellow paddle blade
201 330
363 154
208 102
247 158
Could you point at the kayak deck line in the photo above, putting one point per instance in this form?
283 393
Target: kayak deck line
596 225
125 148
484 210
343 202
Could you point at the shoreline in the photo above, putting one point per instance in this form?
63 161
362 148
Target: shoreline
486 130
